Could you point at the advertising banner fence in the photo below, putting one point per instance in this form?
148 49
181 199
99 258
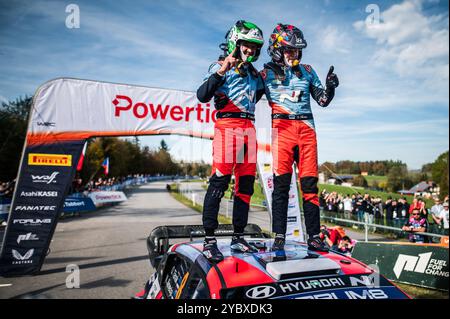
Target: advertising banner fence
78 204
101 198
5 204
423 265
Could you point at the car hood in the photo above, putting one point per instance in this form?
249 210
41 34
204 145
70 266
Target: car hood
296 272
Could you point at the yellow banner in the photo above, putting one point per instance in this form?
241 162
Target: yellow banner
49 159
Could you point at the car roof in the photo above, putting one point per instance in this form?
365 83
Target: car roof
296 261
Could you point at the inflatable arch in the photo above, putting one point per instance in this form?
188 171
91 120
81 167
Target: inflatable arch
65 113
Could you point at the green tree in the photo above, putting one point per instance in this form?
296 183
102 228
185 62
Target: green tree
328 169
379 168
427 169
360 181
164 146
397 178
439 172
92 161
13 128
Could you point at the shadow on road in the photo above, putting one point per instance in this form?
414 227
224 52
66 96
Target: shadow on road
94 265
58 260
37 294
105 282
95 247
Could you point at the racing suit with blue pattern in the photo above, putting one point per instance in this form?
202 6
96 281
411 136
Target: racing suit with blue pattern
234 144
294 139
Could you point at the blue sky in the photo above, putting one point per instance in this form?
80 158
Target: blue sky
393 101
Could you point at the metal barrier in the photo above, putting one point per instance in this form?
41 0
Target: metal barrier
127 183
368 225
5 203
187 192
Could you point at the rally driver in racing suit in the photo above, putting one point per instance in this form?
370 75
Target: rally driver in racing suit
236 87
289 85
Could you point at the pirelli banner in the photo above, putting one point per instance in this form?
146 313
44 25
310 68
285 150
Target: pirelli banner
424 265
46 173
65 113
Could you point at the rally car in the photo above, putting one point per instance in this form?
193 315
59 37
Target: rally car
183 272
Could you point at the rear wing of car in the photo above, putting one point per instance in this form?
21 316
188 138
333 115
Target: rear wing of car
158 242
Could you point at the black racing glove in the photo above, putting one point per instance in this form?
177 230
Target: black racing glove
332 80
220 100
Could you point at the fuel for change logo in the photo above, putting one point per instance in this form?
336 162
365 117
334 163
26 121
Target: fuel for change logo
423 263
49 159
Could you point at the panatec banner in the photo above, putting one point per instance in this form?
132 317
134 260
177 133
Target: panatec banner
65 113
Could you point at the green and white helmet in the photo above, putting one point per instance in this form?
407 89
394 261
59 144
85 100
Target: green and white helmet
244 31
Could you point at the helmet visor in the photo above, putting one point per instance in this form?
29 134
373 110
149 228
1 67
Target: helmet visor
250 32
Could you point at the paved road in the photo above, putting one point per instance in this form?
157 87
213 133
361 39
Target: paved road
108 245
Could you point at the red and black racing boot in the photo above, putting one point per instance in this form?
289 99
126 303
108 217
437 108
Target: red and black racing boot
316 244
239 244
278 243
211 251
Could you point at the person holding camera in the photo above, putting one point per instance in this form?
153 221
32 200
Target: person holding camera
345 246
416 224
330 236
443 218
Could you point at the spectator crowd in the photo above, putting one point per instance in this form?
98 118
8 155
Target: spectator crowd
96 185
7 189
397 212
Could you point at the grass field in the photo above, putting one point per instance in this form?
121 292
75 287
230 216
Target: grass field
422 293
258 196
372 179
199 208
344 190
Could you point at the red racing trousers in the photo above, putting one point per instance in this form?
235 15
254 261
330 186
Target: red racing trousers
295 141
234 150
